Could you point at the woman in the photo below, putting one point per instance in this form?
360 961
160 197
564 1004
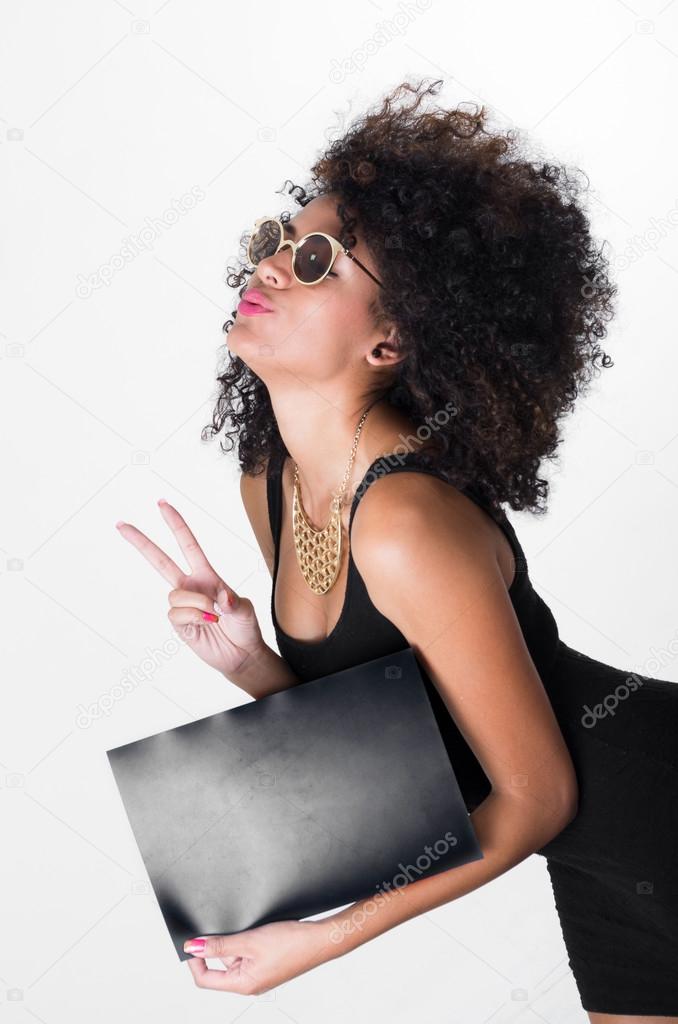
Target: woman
392 380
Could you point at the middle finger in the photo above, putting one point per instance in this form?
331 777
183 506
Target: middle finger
194 553
152 553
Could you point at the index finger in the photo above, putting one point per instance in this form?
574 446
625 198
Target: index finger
233 979
168 569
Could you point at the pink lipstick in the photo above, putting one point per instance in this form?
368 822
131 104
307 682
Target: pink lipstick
254 303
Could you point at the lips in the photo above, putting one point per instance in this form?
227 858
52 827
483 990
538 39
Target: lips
253 297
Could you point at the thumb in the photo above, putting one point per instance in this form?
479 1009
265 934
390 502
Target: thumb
214 945
227 599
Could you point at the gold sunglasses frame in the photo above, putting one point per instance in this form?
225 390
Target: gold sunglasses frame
337 248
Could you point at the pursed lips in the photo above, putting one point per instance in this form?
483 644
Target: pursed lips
254 301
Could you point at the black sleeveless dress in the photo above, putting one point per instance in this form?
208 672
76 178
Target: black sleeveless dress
614 868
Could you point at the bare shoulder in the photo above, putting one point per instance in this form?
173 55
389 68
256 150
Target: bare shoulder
403 518
255 502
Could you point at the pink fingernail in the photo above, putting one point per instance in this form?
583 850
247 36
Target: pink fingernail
208 617
195 946
119 524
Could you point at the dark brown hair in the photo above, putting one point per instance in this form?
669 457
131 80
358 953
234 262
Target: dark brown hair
497 289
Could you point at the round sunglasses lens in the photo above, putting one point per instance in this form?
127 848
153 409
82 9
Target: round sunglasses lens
313 258
264 241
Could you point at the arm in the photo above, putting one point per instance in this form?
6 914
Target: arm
429 564
264 673
507 831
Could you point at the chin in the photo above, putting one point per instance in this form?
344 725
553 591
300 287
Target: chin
236 336
254 352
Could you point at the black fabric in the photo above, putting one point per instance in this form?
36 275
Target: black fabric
614 868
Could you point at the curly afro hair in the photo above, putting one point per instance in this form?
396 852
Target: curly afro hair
497 289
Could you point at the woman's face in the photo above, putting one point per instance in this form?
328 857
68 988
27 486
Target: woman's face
317 332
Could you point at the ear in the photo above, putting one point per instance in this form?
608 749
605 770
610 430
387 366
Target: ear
385 351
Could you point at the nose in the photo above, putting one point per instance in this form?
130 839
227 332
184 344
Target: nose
276 270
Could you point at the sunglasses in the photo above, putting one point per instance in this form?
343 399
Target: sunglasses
313 255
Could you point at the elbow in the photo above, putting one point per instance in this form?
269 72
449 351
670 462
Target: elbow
571 796
541 813
559 817
571 807
567 809
553 811
565 796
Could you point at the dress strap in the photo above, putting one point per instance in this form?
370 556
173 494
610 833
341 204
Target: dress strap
274 494
391 463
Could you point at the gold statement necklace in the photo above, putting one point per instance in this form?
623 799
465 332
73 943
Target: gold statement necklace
319 551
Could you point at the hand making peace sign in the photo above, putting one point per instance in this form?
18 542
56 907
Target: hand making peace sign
225 640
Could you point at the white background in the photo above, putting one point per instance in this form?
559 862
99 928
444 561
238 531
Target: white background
109 112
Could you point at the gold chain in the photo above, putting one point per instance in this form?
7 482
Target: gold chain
319 551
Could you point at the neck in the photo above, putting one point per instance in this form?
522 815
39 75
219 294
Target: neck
319 434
